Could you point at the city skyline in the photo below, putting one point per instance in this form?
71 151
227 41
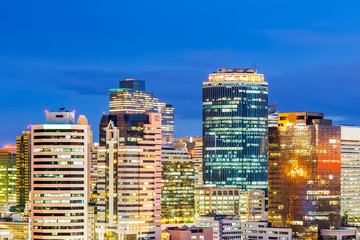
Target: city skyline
61 61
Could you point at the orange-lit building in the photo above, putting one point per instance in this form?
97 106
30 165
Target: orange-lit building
195 147
304 174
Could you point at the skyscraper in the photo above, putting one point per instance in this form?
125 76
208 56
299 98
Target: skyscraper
304 174
59 183
23 168
131 97
235 112
7 180
129 178
350 171
177 185
195 147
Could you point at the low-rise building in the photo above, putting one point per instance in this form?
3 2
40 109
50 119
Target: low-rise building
248 205
186 233
339 234
261 230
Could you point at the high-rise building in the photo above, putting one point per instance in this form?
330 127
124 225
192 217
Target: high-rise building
235 128
273 117
129 178
304 174
7 180
195 147
177 185
59 178
350 171
23 168
82 120
131 97
95 156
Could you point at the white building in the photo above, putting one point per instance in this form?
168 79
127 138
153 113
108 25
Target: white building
224 226
350 171
129 178
59 178
260 230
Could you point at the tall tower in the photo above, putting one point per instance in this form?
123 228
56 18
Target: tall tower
177 185
7 180
304 174
23 176
235 113
129 177
59 183
131 97
350 171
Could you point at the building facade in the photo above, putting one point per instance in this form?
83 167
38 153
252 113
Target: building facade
350 172
248 205
131 97
59 183
23 168
262 231
129 178
304 174
195 147
7 181
235 113
177 185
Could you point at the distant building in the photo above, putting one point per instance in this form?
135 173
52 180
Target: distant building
248 205
131 97
14 230
187 233
128 185
224 226
273 115
261 231
177 185
195 148
7 180
350 171
23 167
59 183
304 174
339 234
235 129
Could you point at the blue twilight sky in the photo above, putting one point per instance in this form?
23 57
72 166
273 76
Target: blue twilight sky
69 53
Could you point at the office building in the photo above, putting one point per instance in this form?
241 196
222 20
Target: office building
23 168
7 180
195 147
209 221
131 97
304 174
248 205
14 230
95 156
350 172
129 178
59 178
262 231
235 113
273 117
185 232
177 186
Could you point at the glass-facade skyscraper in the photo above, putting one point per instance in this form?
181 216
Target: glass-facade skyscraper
23 168
131 97
235 114
304 174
